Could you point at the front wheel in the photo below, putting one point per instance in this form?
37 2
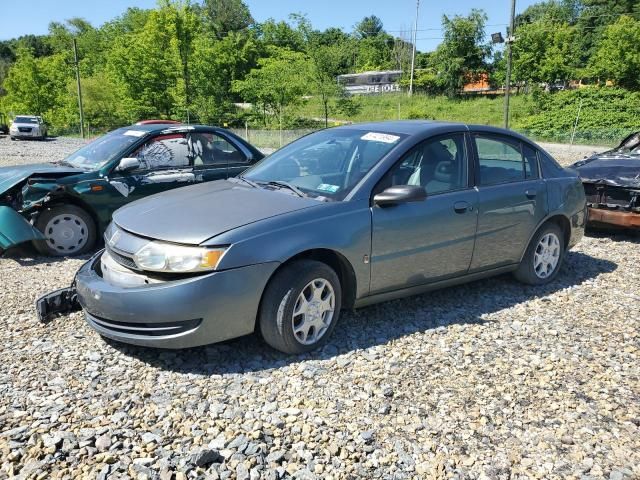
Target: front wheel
300 307
68 231
543 258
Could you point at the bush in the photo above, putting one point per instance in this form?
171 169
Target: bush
605 115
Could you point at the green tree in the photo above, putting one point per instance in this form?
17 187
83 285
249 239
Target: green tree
279 81
618 57
150 66
225 16
461 55
369 27
326 62
544 52
215 65
27 85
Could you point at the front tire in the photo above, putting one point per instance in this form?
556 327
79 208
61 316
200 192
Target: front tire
68 230
544 256
300 307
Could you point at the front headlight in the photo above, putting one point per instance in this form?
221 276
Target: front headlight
13 128
165 257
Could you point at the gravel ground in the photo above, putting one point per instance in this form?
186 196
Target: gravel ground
491 380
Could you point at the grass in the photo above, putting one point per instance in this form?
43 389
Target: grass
478 110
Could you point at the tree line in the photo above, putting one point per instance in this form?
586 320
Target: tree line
196 61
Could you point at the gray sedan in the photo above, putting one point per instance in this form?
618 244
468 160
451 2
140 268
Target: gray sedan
341 218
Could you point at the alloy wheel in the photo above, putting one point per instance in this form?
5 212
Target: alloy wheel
313 311
547 255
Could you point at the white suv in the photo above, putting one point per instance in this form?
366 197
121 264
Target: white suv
28 126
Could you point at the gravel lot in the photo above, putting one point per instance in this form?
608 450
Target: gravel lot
492 380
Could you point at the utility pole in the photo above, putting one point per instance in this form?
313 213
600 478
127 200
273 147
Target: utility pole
413 53
507 83
75 61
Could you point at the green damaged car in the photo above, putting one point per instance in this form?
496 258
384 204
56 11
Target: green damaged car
64 207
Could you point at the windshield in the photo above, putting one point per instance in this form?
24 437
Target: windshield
103 149
325 164
630 145
25 120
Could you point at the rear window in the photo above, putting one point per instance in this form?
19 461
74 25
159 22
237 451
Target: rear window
550 168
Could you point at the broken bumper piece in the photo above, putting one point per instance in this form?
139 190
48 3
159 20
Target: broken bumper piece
614 218
58 302
15 229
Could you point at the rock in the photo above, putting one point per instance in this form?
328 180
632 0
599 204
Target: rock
103 442
149 437
275 457
205 457
367 436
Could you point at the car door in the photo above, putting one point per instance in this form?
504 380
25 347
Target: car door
216 157
512 199
166 162
421 242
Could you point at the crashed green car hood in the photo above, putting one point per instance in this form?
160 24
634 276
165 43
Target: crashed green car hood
11 176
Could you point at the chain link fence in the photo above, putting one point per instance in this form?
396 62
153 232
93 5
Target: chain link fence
270 139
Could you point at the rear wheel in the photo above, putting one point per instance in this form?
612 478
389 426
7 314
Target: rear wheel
300 307
543 258
68 230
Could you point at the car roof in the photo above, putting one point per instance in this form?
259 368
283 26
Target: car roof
413 127
159 127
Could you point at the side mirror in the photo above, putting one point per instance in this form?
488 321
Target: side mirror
400 194
128 164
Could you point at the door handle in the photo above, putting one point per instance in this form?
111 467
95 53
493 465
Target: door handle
531 194
462 207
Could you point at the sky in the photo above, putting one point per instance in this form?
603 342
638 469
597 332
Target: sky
21 18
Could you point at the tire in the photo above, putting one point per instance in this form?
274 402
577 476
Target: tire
13 139
284 291
69 231
546 246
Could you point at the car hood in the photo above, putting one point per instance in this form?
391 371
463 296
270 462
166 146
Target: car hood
612 169
32 125
12 176
192 215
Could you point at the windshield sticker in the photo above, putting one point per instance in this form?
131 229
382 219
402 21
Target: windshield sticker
380 137
325 187
134 133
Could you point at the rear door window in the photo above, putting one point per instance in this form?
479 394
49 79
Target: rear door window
530 156
500 160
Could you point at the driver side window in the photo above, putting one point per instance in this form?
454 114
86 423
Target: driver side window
438 164
164 152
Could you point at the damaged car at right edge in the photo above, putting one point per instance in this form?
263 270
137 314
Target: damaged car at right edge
612 185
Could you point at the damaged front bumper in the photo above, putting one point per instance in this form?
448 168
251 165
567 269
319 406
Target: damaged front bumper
599 216
179 313
61 301
612 205
15 229
58 302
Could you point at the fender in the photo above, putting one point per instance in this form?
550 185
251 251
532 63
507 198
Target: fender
15 229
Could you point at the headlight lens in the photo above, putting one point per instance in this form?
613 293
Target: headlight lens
164 257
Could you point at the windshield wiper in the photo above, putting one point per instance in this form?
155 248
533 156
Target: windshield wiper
293 188
247 181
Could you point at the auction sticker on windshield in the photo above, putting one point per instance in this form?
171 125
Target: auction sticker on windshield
134 133
325 187
380 137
